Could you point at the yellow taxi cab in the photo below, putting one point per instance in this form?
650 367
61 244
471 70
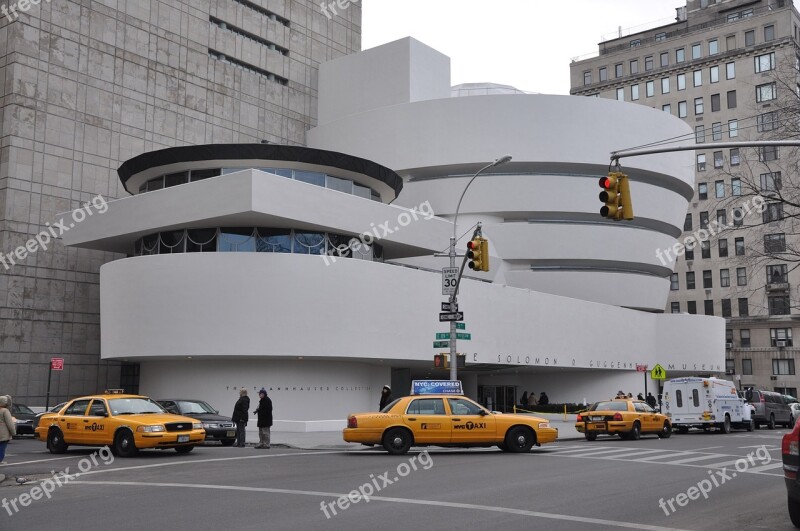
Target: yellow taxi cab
448 418
125 423
622 416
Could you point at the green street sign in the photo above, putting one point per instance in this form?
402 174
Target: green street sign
441 344
459 335
461 326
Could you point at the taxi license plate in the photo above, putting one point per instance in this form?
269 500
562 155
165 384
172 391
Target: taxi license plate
183 438
598 425
230 434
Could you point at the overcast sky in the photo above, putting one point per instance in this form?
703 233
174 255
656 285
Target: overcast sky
524 43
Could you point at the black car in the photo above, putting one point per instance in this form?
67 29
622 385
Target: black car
218 427
25 417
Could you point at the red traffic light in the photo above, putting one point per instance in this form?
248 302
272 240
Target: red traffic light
605 183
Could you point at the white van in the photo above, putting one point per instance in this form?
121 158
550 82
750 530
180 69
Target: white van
703 403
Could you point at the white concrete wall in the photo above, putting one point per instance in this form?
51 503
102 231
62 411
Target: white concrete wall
398 72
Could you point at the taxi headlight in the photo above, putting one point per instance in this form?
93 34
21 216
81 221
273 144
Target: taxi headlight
197 426
544 425
151 429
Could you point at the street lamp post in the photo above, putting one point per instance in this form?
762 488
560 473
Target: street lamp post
454 296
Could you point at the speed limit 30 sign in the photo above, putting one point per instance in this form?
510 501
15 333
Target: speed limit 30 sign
449 277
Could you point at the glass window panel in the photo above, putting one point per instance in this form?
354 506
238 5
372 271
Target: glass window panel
309 243
155 184
730 70
150 244
361 191
273 240
174 179
237 240
310 177
199 175
171 242
341 185
201 240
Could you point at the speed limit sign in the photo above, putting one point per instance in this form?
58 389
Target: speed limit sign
449 277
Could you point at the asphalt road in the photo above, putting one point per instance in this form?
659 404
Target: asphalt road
606 484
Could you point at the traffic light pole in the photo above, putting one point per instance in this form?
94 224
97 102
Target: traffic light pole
454 301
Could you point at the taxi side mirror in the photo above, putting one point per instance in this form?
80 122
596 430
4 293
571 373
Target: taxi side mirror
482 413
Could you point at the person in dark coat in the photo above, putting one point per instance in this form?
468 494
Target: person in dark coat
543 399
386 397
240 417
651 400
264 413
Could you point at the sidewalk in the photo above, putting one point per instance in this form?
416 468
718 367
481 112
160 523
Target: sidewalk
332 440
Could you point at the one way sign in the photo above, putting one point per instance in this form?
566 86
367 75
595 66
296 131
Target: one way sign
451 316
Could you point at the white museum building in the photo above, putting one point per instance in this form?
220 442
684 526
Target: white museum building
310 270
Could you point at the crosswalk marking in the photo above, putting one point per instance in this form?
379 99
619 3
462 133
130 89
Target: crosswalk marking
700 458
689 458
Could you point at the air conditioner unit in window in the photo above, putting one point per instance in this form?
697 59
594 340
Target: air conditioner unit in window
780 342
773 377
728 346
729 371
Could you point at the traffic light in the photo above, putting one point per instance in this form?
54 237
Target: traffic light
440 361
478 254
616 195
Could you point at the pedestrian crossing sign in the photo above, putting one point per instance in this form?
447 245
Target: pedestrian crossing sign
658 373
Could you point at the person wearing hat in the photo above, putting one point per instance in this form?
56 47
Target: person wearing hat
264 413
240 416
8 427
386 397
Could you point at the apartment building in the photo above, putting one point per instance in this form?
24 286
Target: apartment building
89 85
724 67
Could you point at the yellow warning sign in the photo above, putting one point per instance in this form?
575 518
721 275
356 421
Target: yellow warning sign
658 373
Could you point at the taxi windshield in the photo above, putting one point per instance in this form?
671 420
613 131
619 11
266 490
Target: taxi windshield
133 406
619 405
188 407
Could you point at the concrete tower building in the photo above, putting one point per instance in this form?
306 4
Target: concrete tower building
89 85
715 67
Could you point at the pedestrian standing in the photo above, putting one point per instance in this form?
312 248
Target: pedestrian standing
386 397
651 400
639 397
544 399
240 411
532 399
7 426
264 413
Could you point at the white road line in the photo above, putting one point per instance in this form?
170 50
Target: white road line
707 448
435 503
762 468
593 451
77 456
632 454
702 457
665 455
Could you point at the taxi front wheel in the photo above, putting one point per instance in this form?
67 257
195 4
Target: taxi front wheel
397 441
124 444
519 439
55 442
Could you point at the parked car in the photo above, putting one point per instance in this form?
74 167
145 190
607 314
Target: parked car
218 427
624 417
695 402
770 408
790 453
25 417
54 409
795 410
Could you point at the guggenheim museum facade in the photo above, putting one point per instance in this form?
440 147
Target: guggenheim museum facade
312 270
